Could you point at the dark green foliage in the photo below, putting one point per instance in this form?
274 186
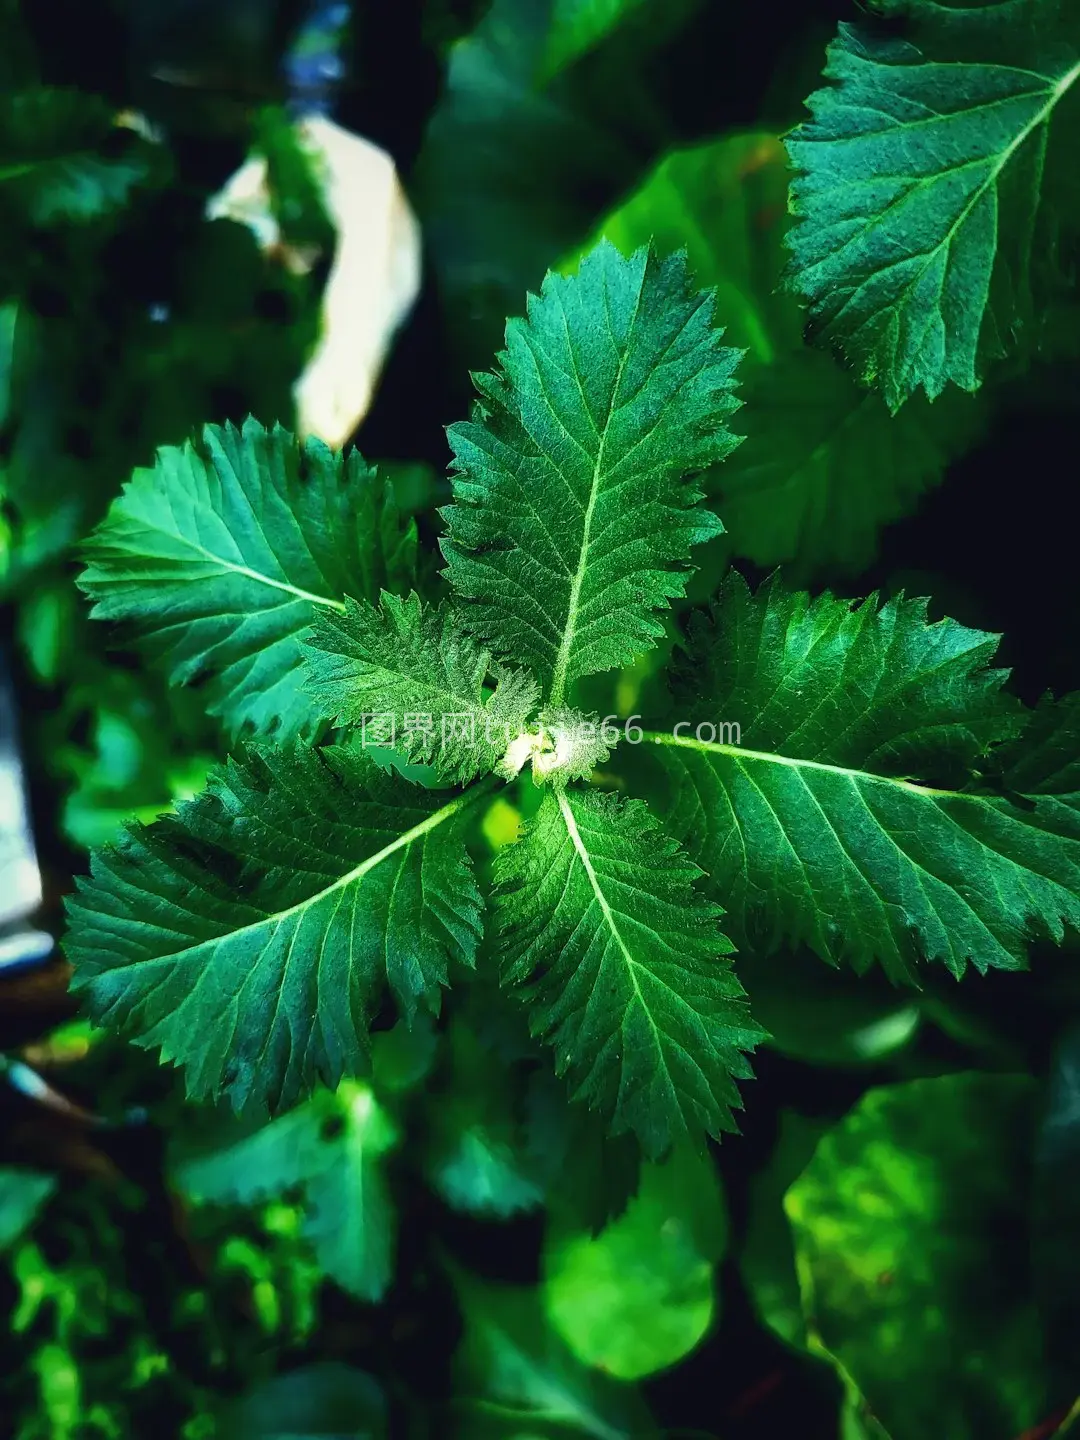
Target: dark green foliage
478 832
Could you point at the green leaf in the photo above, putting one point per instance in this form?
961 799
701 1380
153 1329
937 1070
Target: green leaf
911 1240
846 814
9 315
94 813
418 677
120 745
1045 758
622 965
327 1401
475 1172
49 618
1055 1222
402 1057
929 170
824 1016
640 1295
331 1148
823 467
22 1194
474 1159
526 1381
573 522
766 1250
137 763
223 555
252 936
579 25
724 202
55 160
585 1173
512 173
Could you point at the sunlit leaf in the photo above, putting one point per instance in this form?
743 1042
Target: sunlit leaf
910 1233
641 1295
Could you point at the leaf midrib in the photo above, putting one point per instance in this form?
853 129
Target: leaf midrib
1057 90
378 674
562 660
738 752
609 918
248 573
358 872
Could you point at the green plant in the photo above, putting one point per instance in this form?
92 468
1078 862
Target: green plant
875 795
461 963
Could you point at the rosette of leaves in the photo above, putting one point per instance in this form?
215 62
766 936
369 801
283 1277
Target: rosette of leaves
254 935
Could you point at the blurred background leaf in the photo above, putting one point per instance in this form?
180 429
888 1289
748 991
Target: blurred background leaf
640 1295
22 1194
825 1016
329 1150
911 1243
128 319
330 1401
1055 1222
578 25
517 1378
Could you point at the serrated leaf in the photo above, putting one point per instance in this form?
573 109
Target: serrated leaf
640 1295
252 936
623 967
1045 758
893 1222
55 164
418 675
823 466
827 820
925 169
223 554
331 1149
573 522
